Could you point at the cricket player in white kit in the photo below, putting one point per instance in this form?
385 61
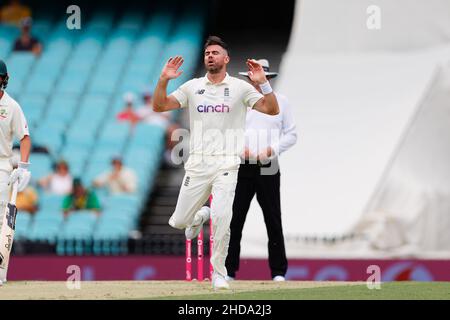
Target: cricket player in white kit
12 123
217 106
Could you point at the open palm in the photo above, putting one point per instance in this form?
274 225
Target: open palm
170 70
256 72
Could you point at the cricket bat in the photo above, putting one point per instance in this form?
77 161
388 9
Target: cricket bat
7 232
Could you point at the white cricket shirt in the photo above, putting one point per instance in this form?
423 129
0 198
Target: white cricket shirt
217 114
147 115
12 124
278 131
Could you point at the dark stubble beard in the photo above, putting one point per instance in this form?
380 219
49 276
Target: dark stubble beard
214 69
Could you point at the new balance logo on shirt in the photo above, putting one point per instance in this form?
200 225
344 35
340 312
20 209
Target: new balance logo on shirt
200 91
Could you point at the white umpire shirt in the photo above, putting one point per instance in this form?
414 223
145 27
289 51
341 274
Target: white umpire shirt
278 132
12 123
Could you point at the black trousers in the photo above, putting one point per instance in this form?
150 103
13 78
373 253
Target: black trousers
267 190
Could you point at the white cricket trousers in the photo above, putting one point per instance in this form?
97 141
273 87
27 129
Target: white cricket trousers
4 199
216 175
4 193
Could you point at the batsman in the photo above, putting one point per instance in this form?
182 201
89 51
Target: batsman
217 105
12 124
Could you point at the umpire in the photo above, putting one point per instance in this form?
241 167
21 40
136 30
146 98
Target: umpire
259 174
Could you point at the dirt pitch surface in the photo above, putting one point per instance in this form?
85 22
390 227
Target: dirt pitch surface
93 290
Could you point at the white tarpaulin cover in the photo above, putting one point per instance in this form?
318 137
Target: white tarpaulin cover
372 112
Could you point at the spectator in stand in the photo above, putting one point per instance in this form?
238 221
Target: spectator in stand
27 200
80 199
163 119
146 114
26 42
14 13
128 114
60 182
119 180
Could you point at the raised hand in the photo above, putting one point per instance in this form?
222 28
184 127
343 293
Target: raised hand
256 72
170 70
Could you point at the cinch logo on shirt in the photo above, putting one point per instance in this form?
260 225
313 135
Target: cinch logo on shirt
219 108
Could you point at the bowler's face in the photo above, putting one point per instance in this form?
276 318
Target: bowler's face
216 58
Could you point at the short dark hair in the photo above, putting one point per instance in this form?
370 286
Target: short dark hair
3 81
116 160
77 182
212 40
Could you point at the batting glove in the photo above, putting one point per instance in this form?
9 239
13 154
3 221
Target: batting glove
22 175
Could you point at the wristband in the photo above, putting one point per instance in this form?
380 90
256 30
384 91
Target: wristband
265 88
23 165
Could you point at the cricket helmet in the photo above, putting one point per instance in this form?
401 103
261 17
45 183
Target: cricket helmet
4 75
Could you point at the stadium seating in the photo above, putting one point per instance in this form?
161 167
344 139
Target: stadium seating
22 224
71 94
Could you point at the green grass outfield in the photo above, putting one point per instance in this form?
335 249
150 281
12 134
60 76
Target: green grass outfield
240 290
388 291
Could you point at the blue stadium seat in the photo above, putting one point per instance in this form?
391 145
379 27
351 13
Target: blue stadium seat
55 55
77 167
62 34
159 25
30 102
93 171
23 220
90 47
40 165
112 227
81 134
132 19
110 237
40 83
61 110
41 28
148 136
116 130
126 202
5 47
50 137
104 153
46 227
47 67
102 20
33 107
9 33
127 217
80 64
104 85
50 204
19 64
77 233
114 141
72 83
79 225
76 155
